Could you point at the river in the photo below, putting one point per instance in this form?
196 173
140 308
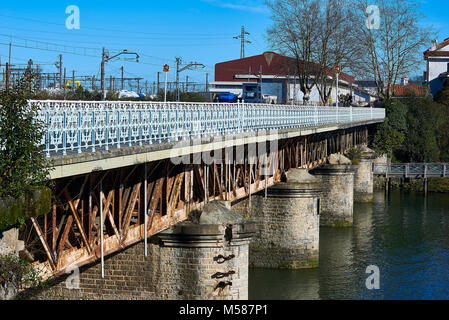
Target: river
406 235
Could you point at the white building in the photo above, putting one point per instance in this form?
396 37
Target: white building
437 58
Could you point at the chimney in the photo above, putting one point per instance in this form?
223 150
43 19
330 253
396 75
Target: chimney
434 44
404 81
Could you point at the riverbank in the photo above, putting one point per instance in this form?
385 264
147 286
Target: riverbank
436 185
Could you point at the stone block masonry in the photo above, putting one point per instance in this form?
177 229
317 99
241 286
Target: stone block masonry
337 205
363 181
287 222
364 177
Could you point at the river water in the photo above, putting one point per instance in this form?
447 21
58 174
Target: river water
406 235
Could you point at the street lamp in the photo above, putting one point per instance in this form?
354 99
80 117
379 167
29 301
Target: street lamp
106 58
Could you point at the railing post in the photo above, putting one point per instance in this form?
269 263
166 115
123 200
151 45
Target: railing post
79 132
168 125
93 131
64 135
130 135
159 126
118 129
48 135
338 116
140 127
106 135
444 170
151 127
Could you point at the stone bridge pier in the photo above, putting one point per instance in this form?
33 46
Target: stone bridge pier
364 177
287 222
337 205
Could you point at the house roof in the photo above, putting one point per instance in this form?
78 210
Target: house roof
271 63
364 92
400 90
436 52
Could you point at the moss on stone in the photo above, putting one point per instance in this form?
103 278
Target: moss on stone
342 224
35 203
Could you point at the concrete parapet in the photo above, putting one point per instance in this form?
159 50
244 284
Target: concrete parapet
337 205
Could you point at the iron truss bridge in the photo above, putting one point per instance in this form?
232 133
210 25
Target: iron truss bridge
413 170
80 126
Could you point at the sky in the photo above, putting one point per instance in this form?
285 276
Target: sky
197 30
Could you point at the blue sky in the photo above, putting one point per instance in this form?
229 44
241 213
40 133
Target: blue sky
197 30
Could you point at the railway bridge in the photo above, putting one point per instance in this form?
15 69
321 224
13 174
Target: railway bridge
128 175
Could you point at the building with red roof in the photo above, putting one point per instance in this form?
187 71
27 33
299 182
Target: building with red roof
437 58
276 73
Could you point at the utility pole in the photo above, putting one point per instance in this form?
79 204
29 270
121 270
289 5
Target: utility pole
178 63
106 58
190 66
60 71
261 80
207 82
123 78
243 41
158 82
65 80
103 62
73 79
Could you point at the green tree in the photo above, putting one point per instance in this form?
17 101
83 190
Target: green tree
397 114
443 96
387 140
420 144
390 135
22 161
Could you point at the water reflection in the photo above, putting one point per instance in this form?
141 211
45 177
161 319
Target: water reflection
405 235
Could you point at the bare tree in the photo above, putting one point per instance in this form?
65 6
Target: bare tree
295 30
319 34
336 40
393 48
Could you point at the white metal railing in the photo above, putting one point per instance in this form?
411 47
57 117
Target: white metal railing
412 170
85 126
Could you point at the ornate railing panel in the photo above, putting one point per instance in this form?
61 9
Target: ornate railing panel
80 126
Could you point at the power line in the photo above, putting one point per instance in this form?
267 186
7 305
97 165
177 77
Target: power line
116 30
